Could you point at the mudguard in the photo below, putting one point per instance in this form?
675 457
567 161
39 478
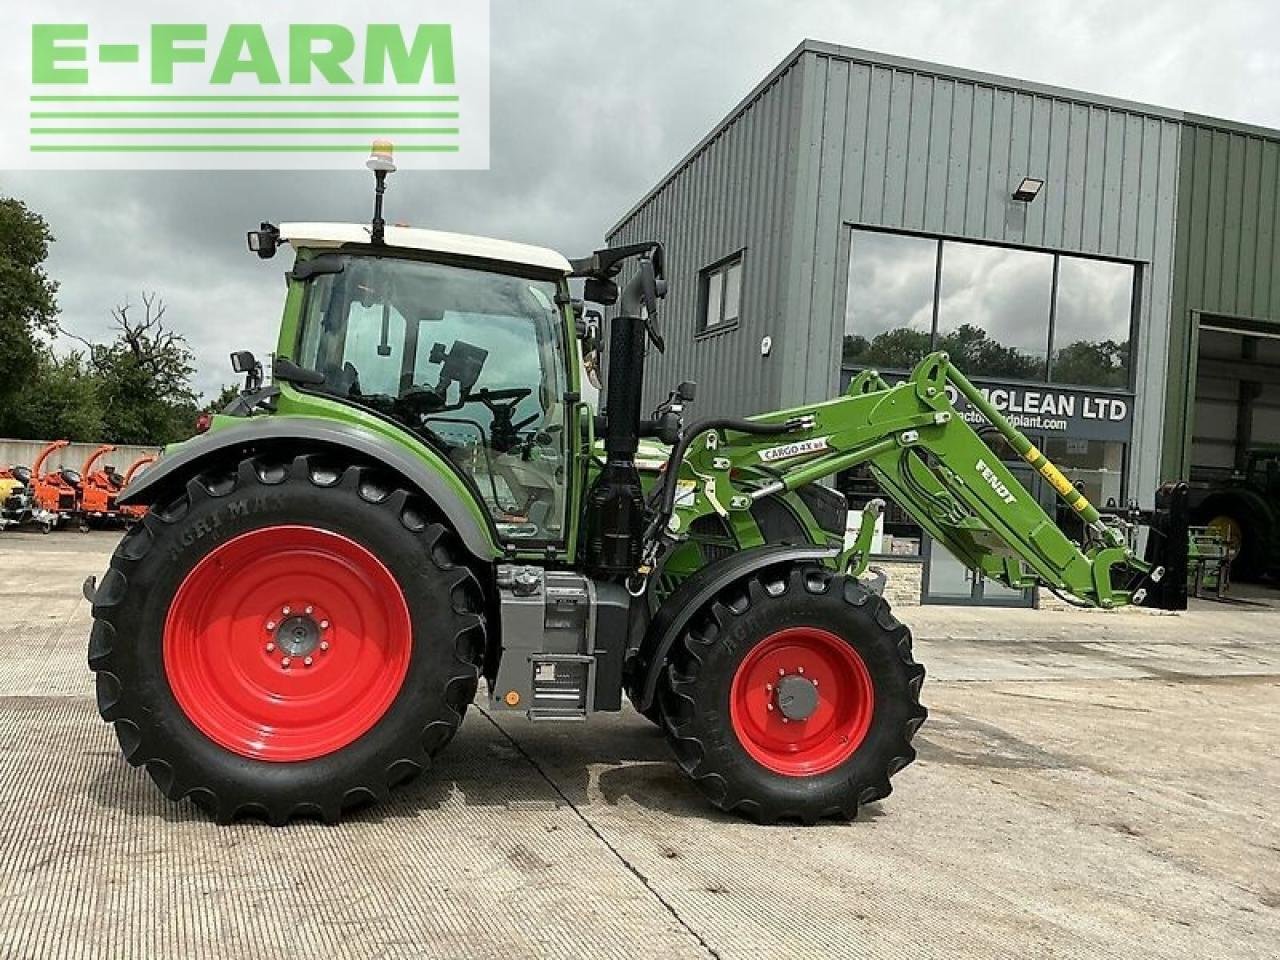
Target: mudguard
691 596
173 469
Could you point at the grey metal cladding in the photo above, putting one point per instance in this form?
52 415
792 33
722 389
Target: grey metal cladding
914 147
731 194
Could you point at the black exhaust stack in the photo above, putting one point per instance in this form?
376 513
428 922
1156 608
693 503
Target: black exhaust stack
615 518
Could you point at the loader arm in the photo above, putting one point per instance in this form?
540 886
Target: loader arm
938 469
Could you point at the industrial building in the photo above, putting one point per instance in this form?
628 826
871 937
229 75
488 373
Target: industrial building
1110 271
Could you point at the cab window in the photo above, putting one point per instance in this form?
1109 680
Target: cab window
471 360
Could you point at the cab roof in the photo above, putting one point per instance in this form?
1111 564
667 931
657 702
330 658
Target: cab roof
433 241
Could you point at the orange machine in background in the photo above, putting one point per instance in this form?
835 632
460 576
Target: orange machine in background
58 491
99 489
136 511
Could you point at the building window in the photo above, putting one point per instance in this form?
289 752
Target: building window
892 286
993 310
998 311
721 295
1096 467
1092 323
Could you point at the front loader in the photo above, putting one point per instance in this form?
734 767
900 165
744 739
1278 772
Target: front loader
418 498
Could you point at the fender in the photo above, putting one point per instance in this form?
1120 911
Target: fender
692 595
171 471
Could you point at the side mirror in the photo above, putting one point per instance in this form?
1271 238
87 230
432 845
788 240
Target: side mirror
600 290
243 361
264 241
590 332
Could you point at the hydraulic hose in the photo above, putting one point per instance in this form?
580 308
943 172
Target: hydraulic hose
667 504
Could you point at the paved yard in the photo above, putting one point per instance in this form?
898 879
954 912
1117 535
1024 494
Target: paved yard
1089 785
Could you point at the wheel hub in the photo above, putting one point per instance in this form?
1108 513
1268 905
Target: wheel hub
298 636
797 698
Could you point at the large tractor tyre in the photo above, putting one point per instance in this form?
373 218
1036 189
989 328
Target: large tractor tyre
1245 528
286 639
794 696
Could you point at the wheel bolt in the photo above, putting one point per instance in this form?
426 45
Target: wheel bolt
286 611
271 624
271 648
284 662
310 609
307 661
781 672
771 706
769 687
800 669
324 624
324 644
785 720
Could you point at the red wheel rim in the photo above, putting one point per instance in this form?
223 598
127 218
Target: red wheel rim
287 643
840 701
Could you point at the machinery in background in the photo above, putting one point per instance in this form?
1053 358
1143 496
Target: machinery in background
1209 556
15 496
134 512
98 490
56 493
1244 508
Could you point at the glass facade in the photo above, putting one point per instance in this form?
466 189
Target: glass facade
1000 312
993 310
889 312
1092 322
1004 315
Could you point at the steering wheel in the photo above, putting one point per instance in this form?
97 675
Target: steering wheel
511 395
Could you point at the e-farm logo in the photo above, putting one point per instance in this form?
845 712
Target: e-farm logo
295 91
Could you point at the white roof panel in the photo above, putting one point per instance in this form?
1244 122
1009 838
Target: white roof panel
433 241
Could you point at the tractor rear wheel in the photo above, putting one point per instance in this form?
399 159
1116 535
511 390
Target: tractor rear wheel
286 638
794 696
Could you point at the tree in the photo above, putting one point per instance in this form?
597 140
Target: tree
144 377
28 303
1098 363
229 393
60 400
899 349
977 355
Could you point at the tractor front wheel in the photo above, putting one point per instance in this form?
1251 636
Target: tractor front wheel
794 696
286 638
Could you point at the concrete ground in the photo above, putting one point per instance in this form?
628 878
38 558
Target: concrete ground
1089 785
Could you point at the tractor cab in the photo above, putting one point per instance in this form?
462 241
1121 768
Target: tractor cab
469 353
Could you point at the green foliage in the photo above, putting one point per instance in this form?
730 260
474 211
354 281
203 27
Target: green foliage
60 401
229 393
1095 363
28 304
1098 363
972 351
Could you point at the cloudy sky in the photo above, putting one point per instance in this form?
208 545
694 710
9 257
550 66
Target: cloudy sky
591 103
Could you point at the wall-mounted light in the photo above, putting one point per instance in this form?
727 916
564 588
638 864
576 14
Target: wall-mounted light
1028 189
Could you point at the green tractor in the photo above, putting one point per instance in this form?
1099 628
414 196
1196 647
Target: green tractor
420 498
1243 510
